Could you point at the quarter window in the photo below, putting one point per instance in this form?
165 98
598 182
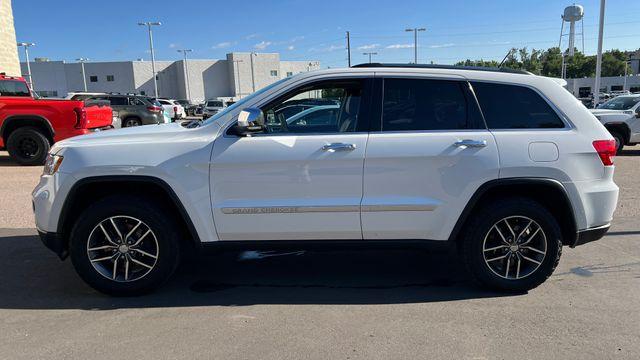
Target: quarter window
423 104
328 107
515 107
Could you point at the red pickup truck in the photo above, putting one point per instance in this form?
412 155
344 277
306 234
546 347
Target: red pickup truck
29 126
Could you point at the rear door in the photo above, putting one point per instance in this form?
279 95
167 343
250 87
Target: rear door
428 155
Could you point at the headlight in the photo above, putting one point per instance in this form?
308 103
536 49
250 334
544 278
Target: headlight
52 164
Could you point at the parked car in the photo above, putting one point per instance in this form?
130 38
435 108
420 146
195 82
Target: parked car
621 116
212 107
189 108
135 110
500 166
29 126
174 110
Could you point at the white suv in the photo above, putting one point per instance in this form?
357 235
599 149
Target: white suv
621 116
503 166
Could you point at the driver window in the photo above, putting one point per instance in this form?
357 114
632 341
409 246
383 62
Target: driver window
322 108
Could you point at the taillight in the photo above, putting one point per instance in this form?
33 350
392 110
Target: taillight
81 118
155 108
606 150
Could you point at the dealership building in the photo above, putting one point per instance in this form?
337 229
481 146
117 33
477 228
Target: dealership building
236 76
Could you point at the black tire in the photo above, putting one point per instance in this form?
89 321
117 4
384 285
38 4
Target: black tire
619 141
479 227
154 217
28 146
131 122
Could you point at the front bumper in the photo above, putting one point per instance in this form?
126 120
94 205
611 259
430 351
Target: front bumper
589 235
55 243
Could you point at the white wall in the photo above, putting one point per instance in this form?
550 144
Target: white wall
48 76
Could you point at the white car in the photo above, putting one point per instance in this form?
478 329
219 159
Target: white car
212 107
173 108
621 116
503 166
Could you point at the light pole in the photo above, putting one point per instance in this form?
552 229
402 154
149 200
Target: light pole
237 65
26 46
149 24
84 76
253 76
596 93
626 72
415 42
369 53
186 71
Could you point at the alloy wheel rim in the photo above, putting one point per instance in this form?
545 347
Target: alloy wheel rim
514 247
131 123
122 248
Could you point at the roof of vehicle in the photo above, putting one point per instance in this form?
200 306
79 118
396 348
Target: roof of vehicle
447 67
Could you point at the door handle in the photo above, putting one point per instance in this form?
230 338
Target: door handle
339 147
471 143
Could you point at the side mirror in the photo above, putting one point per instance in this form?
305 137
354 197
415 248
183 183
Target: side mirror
250 121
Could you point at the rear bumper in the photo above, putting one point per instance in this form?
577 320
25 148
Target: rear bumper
591 234
55 243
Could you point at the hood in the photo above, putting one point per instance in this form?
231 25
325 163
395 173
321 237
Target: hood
127 136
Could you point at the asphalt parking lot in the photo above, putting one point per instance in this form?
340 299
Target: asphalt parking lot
322 305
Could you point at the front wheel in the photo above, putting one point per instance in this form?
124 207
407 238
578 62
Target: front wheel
124 246
512 245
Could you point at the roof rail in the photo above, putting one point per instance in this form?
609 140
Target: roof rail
449 67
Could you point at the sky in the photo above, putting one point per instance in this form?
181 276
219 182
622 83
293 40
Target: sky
312 30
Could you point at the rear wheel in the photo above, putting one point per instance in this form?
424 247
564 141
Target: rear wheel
512 245
619 141
125 246
28 146
130 122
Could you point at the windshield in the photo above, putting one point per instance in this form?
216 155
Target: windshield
620 103
214 103
241 102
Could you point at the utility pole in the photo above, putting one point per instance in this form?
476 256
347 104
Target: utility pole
26 46
236 63
348 49
149 24
186 71
596 93
369 53
84 76
253 76
415 42
626 73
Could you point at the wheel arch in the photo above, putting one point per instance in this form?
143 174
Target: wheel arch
88 190
549 192
14 122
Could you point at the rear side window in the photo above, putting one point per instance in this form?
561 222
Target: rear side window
515 107
424 104
13 88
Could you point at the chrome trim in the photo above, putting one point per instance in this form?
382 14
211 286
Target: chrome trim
315 209
414 207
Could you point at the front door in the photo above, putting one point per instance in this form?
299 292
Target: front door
302 178
429 155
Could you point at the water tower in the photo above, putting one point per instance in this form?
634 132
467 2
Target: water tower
572 14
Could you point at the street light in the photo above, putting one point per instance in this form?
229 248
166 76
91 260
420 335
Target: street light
369 53
84 77
186 71
149 24
26 46
415 42
596 94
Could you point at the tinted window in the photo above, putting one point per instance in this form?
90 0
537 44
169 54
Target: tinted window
117 100
515 107
419 104
13 88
